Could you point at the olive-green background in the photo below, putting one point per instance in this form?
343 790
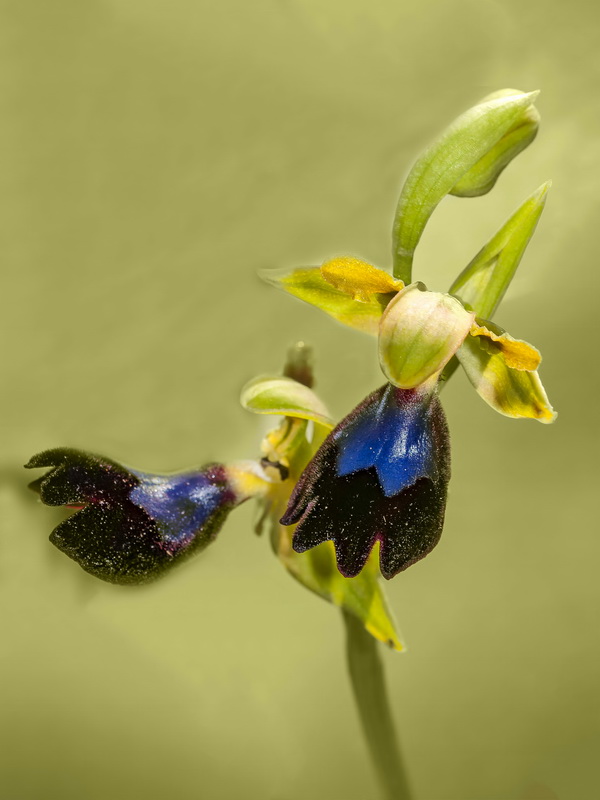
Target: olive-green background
154 155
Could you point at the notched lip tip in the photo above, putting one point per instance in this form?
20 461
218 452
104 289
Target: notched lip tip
36 485
347 574
39 462
299 548
288 519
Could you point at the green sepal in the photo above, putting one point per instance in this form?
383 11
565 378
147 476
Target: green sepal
308 284
483 283
440 168
286 397
480 179
516 393
362 596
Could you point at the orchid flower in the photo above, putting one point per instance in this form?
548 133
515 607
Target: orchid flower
382 474
129 526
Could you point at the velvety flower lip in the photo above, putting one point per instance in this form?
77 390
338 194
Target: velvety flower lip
381 475
132 526
397 444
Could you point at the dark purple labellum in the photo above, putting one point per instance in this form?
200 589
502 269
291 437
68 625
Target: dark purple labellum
132 526
381 475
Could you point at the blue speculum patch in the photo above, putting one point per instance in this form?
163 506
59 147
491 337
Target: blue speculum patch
395 439
179 504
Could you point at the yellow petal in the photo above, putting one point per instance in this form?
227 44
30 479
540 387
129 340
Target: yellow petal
513 392
358 278
516 353
308 284
249 479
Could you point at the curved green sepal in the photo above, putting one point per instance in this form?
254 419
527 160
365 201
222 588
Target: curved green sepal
362 596
419 333
285 397
439 169
308 284
480 179
483 283
513 392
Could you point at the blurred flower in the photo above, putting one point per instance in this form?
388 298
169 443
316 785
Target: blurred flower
132 526
380 476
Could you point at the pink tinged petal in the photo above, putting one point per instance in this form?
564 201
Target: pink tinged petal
419 333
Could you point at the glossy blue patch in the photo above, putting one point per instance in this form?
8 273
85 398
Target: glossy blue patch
393 435
179 504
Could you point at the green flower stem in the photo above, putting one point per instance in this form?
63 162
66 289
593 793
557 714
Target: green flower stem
368 685
448 372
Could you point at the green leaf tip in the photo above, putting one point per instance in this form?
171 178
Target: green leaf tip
483 283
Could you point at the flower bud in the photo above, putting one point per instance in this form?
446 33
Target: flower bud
482 176
466 159
419 333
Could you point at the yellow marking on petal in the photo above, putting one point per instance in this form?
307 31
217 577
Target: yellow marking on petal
358 279
283 440
512 392
248 479
309 285
516 353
